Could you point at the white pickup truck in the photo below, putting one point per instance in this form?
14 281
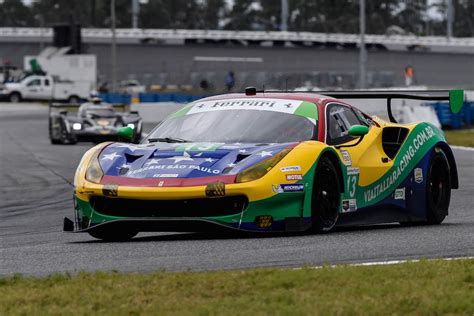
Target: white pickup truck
37 87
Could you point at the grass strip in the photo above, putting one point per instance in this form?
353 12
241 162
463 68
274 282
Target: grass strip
422 288
461 137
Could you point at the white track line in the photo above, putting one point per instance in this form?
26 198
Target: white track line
383 263
463 148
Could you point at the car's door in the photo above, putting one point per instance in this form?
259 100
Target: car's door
366 162
32 88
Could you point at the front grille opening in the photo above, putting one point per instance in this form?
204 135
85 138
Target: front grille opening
205 207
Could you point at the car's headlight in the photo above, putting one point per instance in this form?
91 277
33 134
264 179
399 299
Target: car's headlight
94 172
77 126
262 168
131 125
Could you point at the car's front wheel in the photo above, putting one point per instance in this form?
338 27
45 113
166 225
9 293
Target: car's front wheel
438 191
14 97
113 235
326 196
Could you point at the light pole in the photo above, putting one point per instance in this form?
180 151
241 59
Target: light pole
363 51
113 47
135 13
449 20
284 15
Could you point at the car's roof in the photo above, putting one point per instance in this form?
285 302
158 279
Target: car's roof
303 96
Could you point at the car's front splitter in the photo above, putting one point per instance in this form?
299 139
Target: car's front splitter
283 212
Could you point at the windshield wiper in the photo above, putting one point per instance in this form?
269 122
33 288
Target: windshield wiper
168 140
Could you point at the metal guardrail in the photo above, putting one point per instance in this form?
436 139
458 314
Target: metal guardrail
137 36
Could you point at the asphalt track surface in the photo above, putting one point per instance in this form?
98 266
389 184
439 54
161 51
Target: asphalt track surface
36 193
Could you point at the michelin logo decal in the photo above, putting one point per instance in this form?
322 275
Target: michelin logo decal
288 188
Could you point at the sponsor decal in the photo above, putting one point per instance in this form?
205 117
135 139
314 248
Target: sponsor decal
288 188
294 176
346 157
389 181
290 168
418 172
215 189
199 147
161 183
165 175
351 171
110 190
349 205
174 167
399 194
275 105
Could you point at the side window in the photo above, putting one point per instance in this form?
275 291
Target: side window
339 121
35 82
364 118
46 82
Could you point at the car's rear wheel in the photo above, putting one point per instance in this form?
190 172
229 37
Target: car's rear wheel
326 196
438 190
113 235
73 99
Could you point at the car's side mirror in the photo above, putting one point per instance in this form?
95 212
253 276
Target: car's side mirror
358 130
125 133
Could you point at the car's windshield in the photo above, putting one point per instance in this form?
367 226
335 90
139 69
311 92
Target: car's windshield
244 126
97 111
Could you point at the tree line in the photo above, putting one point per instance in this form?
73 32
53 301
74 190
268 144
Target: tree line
419 17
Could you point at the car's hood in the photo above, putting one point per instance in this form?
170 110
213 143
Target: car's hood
183 160
12 85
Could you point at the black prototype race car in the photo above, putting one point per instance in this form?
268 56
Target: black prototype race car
95 121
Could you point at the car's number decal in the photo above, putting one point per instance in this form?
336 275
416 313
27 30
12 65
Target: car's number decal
351 185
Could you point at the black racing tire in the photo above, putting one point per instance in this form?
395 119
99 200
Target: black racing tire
326 197
14 97
438 187
54 141
113 235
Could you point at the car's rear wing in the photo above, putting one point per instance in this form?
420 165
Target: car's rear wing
455 97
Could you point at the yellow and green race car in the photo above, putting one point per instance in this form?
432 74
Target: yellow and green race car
267 162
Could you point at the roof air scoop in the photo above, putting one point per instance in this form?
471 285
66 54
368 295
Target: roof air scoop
250 91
